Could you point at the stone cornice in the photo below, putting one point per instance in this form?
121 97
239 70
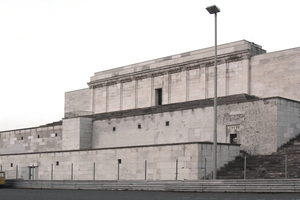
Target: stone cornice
171 69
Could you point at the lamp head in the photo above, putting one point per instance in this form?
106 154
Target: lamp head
213 9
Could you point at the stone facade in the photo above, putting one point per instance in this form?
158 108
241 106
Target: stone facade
160 111
36 139
182 77
154 162
276 74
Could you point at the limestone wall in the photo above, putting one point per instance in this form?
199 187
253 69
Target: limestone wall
288 121
254 122
260 125
276 74
206 53
78 103
37 139
182 77
154 162
77 133
176 87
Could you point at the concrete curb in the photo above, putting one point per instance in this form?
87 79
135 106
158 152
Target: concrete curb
260 185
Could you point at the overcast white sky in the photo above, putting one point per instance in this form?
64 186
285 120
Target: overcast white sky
49 47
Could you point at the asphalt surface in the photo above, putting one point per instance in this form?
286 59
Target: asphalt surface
37 194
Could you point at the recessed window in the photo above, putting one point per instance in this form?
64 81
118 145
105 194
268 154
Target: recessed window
55 134
119 161
11 164
114 128
158 96
167 123
139 126
21 138
57 163
38 136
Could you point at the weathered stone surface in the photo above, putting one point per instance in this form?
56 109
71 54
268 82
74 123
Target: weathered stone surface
190 77
161 163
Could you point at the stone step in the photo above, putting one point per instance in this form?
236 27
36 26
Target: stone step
266 166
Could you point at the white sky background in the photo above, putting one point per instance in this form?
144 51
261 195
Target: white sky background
49 47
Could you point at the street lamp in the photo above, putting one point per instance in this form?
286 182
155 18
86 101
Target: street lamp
214 10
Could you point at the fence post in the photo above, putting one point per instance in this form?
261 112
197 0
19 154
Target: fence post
145 169
51 172
245 167
17 172
94 171
286 165
72 171
205 168
119 162
176 170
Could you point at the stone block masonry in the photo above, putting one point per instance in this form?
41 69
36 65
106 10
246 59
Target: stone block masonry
259 125
36 139
181 78
153 162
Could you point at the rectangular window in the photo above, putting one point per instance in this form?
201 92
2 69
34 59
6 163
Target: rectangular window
57 163
167 123
139 126
158 96
114 128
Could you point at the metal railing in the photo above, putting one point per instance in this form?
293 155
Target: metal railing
283 166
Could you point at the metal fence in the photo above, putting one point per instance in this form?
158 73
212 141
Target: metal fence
284 166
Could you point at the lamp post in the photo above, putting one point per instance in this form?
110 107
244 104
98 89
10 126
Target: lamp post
214 10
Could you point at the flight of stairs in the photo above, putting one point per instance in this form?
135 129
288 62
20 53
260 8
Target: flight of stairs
266 166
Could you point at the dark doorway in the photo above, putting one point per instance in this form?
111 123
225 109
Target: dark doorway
158 96
233 138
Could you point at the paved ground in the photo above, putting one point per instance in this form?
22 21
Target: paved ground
36 194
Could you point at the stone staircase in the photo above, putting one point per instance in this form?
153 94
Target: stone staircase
266 166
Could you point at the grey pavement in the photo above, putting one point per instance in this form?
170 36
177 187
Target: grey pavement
39 194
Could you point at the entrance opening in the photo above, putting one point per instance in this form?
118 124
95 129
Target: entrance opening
233 138
158 96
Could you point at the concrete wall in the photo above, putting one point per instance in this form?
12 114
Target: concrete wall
103 163
37 139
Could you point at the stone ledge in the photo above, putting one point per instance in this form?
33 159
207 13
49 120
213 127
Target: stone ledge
259 185
240 98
